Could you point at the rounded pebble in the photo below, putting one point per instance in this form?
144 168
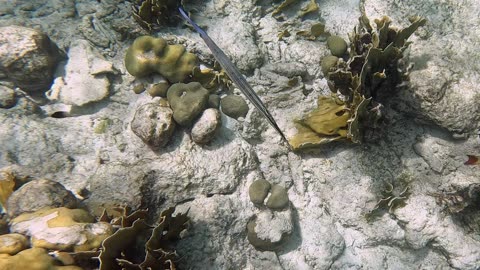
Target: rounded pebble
278 198
337 45
327 63
258 191
234 106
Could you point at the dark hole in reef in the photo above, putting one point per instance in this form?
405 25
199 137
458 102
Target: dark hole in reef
59 114
340 113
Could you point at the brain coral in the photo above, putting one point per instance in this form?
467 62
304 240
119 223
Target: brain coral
149 55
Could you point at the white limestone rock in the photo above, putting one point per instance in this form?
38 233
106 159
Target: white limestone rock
62 229
85 78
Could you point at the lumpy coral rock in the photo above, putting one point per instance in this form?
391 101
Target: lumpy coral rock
149 55
153 124
269 229
234 106
187 101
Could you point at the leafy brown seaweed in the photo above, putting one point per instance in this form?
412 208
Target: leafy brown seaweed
370 71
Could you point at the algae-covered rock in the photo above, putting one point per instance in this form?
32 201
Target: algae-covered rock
149 55
258 191
12 243
159 89
327 63
7 185
234 106
32 259
187 101
7 97
214 101
62 229
278 198
204 129
337 45
153 124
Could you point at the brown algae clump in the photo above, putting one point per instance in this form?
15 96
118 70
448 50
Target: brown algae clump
358 83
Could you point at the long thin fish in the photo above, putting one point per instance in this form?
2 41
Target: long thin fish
233 73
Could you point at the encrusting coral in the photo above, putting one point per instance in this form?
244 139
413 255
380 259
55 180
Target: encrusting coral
187 101
149 55
357 84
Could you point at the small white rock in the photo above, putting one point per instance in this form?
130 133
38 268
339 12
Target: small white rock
205 127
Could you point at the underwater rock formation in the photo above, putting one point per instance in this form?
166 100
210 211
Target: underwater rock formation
12 243
28 57
32 259
7 97
269 230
